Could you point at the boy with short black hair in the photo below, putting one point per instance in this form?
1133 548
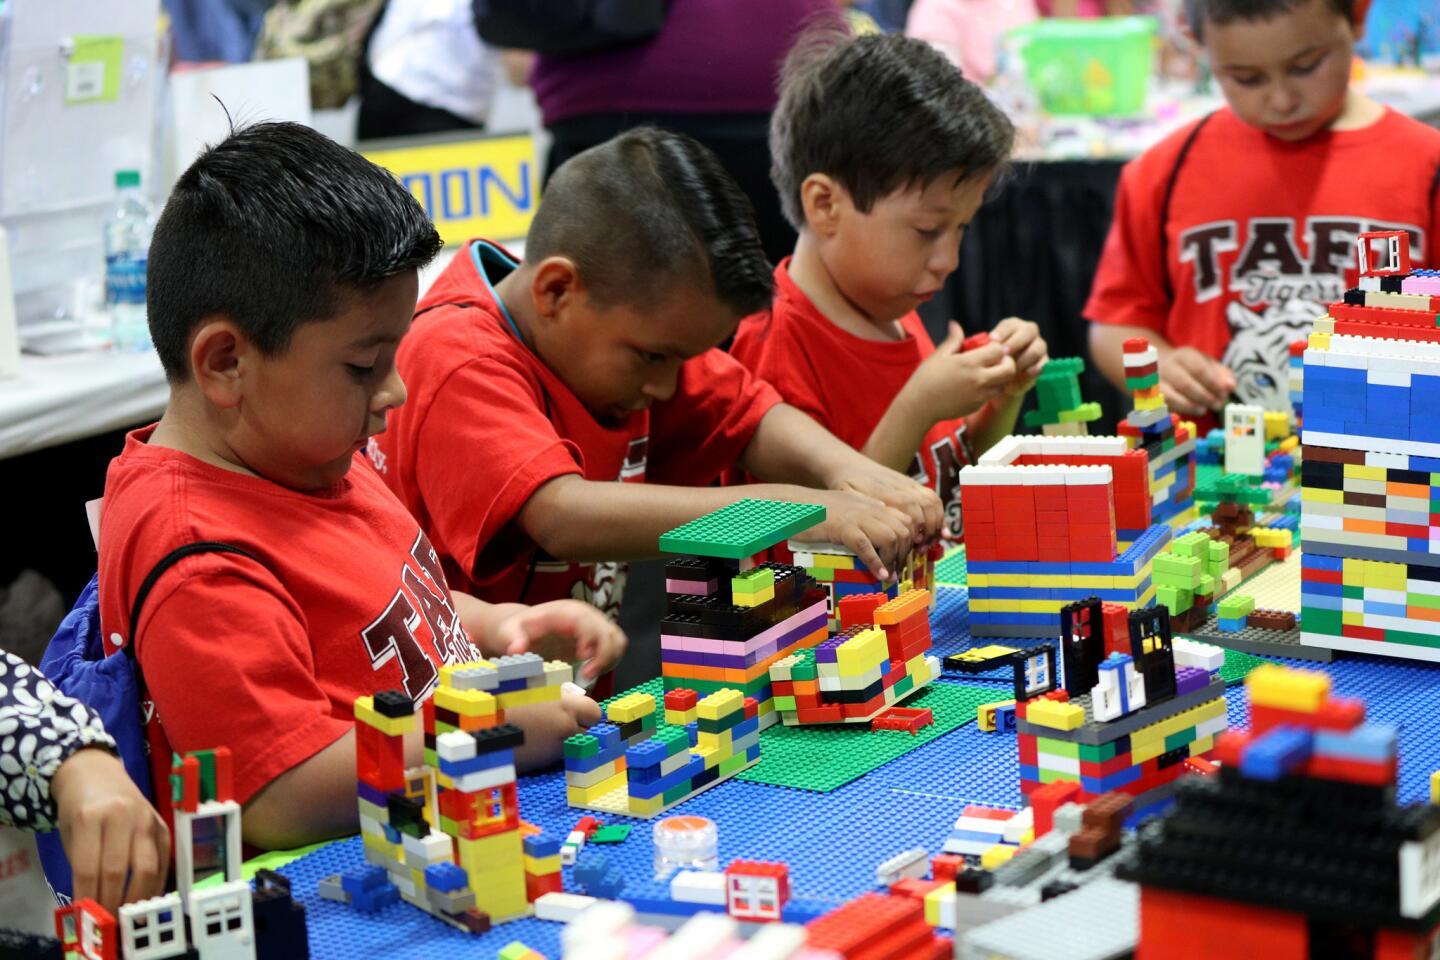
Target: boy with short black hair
1233 234
536 386
282 278
883 152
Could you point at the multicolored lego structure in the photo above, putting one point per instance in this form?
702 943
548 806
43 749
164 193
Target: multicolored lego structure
1296 849
632 765
1168 441
446 836
842 574
1125 720
1052 520
880 656
1370 573
724 627
222 920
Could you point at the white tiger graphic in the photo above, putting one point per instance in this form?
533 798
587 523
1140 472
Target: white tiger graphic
1259 348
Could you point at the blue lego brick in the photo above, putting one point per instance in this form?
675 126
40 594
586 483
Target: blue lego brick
586 764
1277 752
477 764
510 686
1321 601
447 876
391 834
1321 561
607 733
373 901
646 754
665 907
542 844
1371 742
1230 624
363 879
1374 608
366 792
1113 781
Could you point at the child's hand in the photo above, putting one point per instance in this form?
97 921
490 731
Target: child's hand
949 384
546 726
117 845
1193 382
878 535
899 492
564 630
1027 349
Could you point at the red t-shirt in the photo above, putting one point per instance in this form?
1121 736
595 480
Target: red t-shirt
1260 235
487 423
266 656
846 383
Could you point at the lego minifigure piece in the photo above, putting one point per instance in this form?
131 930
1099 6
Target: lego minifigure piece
1150 647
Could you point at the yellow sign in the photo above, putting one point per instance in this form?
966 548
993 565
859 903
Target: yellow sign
483 187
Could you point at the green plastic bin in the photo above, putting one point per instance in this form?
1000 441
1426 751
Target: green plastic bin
1094 67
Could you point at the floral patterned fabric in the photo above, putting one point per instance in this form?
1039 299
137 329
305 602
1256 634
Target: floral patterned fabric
39 728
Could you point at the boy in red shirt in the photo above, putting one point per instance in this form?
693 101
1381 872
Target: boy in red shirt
282 279
883 153
1233 234
545 393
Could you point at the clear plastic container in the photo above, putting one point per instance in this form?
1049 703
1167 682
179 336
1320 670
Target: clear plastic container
1098 67
127 251
685 843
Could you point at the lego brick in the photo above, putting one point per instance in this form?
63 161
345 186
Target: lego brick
742 529
1094 733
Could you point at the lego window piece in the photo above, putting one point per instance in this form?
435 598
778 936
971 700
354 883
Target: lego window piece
153 929
1034 671
1394 253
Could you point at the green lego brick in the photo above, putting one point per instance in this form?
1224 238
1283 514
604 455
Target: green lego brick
1186 568
1142 383
1175 599
1238 665
1098 753
514 950
581 745
1084 413
785 704
742 529
611 833
1057 393
1234 606
1190 545
950 571
1057 748
755 580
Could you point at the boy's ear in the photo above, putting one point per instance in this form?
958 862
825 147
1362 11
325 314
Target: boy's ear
217 358
822 197
554 285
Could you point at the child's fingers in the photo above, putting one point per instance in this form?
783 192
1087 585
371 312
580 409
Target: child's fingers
863 546
145 860
1200 378
82 849
116 840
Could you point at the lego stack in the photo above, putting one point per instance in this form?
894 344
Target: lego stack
1057 393
1169 442
880 657
1296 848
1370 576
447 835
631 765
724 627
1052 520
842 574
1190 575
1297 378
1126 722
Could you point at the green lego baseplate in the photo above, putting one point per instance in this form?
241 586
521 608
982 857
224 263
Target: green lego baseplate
822 759
742 529
951 571
1238 665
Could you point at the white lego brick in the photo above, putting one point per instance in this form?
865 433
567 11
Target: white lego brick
1088 476
455 745
775 941
1388 461
1193 653
485 779
1369 283
982 825
161 920
1003 452
482 677
698 886
1020 824
436 847
1387 377
371 826
1212 727
561 907
1141 358
907 863
1420 876
558 672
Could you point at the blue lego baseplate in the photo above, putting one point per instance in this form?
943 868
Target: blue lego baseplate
912 801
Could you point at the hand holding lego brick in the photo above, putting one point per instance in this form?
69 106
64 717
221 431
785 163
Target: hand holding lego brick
898 492
1027 349
952 383
546 726
879 535
1193 382
117 845
564 630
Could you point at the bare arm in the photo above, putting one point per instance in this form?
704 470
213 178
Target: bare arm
310 802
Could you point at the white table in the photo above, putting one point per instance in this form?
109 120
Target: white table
61 399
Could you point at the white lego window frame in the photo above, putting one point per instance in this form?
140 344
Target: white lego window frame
1420 876
222 921
153 929
228 813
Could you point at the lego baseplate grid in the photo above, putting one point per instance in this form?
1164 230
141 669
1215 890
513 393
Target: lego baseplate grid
911 801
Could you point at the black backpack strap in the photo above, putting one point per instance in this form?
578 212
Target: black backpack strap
1164 246
165 563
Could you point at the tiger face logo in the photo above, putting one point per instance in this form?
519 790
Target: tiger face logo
1259 348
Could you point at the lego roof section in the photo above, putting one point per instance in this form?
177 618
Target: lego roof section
742 529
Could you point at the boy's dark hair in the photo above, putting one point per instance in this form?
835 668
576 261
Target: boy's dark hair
645 209
878 113
1200 12
270 227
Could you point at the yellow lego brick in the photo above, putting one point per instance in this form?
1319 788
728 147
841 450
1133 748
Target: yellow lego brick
720 742
541 866
580 796
1435 787
1289 444
983 606
980 654
1272 685
382 846
1317 495
631 707
646 806
834 561
467 703
519 698
985 714
1028 837
720 704
754 599
862 652
980 580
708 753
366 713
679 718
1149 403
1319 341
1277 424
1052 713
997 855
933 901
1358 471
1379 575
1202 745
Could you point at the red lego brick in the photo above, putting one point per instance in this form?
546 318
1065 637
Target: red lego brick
858 609
1336 714
1201 766
1183 926
974 341
946 866
914 887
1388 331
1352 771
1049 798
537 886
681 700
830 713
752 708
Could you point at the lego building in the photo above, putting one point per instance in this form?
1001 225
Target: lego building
724 627
1053 520
1168 442
1296 849
1370 574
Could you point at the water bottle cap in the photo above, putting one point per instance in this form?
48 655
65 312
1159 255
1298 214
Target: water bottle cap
127 178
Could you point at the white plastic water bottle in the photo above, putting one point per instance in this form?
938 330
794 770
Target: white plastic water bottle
127 247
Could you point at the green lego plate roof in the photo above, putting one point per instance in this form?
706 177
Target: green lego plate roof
742 529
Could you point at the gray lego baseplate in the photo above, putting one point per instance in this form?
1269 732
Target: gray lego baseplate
1265 643
1099 921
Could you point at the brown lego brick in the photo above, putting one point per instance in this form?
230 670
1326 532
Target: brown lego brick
1092 844
1331 455
476 921
1108 812
1271 620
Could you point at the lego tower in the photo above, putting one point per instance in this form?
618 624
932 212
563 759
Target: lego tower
1169 441
1370 570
